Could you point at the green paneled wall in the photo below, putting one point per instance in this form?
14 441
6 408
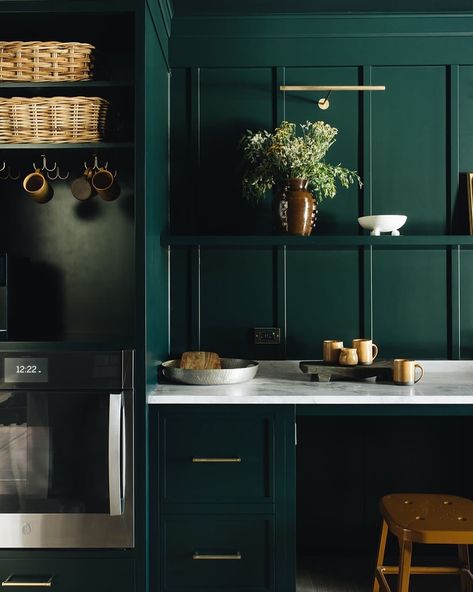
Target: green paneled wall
412 145
323 299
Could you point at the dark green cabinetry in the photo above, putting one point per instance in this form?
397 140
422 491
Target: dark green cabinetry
224 484
72 574
84 267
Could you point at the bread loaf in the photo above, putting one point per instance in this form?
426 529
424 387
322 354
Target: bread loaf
200 360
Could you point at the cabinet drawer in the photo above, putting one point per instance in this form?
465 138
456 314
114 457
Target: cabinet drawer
67 575
217 552
215 459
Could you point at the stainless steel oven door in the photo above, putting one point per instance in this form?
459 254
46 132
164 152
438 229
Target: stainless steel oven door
66 469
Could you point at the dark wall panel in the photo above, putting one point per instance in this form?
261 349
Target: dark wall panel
231 101
338 215
236 296
460 220
180 302
323 300
466 300
410 303
409 146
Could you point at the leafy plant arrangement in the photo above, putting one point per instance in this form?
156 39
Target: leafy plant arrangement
272 158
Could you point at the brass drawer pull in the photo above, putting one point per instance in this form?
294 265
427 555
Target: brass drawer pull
231 557
202 459
39 584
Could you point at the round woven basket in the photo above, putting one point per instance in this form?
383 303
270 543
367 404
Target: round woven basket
45 61
56 119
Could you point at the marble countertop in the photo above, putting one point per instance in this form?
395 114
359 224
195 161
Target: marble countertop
281 382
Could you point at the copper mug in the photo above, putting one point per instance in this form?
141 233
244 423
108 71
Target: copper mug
105 184
81 188
332 348
366 350
404 372
37 187
348 356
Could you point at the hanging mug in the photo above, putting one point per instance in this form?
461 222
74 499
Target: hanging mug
37 187
81 188
105 184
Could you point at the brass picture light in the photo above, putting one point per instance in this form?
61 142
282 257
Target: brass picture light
324 103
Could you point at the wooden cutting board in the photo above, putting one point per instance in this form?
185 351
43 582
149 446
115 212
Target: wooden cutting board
200 360
325 372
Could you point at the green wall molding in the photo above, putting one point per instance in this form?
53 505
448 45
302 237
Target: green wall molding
325 40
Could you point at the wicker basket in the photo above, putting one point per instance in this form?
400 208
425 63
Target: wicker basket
48 61
56 119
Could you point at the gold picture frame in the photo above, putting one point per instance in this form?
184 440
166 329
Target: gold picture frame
469 182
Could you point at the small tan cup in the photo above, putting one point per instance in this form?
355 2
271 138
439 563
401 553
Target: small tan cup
348 356
105 185
37 187
404 372
332 348
366 350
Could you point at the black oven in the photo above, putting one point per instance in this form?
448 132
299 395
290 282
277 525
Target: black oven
66 449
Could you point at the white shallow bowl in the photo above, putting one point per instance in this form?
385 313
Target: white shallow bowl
382 223
233 371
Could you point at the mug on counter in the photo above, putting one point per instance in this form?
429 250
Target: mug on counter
37 187
348 356
332 348
404 372
366 350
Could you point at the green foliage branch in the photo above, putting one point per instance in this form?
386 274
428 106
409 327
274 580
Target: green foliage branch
270 159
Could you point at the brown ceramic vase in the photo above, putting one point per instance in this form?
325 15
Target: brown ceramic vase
297 208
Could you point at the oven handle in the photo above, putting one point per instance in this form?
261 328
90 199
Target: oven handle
116 453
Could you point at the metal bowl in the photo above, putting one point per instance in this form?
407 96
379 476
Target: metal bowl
233 371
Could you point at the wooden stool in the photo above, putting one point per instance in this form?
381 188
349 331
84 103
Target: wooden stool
429 519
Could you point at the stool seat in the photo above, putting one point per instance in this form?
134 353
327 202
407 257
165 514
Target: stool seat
429 518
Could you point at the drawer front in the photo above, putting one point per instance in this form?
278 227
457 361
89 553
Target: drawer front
218 553
217 459
67 575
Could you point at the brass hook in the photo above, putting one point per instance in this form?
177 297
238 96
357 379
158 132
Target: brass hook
45 166
12 177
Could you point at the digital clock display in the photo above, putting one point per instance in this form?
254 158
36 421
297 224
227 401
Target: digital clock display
26 370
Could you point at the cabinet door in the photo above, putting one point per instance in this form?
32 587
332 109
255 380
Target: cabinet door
218 552
68 575
210 458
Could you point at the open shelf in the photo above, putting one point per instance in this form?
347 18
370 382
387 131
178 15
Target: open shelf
64 85
66 146
316 241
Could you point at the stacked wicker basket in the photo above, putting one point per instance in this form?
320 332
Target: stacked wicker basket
55 119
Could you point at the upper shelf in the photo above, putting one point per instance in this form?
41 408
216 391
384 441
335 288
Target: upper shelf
66 145
315 241
84 84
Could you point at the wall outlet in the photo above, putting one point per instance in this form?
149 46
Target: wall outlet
267 335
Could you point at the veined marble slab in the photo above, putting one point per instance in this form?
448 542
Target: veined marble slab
282 382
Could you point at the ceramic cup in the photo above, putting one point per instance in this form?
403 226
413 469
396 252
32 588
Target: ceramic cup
37 187
105 184
404 372
348 356
331 352
366 350
81 188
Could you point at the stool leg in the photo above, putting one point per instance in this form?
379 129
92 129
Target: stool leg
405 556
381 549
464 557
